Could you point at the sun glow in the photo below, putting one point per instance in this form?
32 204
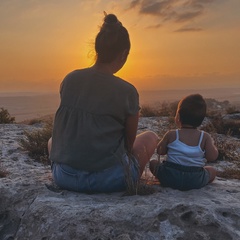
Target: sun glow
41 42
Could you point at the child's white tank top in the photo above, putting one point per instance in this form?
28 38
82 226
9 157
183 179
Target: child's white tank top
181 153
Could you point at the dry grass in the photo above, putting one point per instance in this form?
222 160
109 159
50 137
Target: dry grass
142 188
218 125
39 120
227 150
229 173
3 172
35 142
5 117
139 187
163 109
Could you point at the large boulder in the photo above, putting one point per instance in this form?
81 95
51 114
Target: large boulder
31 207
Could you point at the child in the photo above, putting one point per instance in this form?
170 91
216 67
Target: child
187 149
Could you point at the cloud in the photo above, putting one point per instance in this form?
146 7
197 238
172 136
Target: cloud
187 16
134 3
174 11
154 26
189 29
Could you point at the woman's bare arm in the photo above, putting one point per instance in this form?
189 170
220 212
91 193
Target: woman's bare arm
131 130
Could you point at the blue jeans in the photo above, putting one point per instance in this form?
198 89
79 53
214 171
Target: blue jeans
112 179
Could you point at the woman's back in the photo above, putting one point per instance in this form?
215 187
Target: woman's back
91 119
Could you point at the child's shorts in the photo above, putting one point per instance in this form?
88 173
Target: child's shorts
112 179
182 177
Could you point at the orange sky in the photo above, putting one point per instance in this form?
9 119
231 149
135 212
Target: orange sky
175 43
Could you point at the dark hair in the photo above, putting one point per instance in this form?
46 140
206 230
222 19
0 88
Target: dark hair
111 40
192 110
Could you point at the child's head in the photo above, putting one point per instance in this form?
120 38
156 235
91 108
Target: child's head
192 110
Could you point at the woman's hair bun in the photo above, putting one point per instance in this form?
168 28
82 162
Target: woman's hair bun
110 22
111 40
110 19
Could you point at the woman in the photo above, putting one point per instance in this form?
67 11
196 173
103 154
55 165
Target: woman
94 142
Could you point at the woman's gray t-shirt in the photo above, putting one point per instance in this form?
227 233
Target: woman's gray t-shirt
89 124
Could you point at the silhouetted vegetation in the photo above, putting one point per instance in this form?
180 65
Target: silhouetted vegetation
215 114
163 109
5 117
35 142
218 124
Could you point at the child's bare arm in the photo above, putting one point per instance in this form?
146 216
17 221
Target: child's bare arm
162 145
211 151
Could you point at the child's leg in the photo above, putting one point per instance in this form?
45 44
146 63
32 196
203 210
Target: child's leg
144 147
212 172
153 166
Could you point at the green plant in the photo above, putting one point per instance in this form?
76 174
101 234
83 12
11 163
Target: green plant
5 116
35 142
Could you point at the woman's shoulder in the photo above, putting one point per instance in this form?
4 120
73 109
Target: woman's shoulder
124 83
78 72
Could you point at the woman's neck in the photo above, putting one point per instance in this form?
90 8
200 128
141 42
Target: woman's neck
186 126
103 68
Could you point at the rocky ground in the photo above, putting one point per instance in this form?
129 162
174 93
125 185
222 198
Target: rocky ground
32 208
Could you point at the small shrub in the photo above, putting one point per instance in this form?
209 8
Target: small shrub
232 128
229 173
217 124
226 151
147 111
5 117
215 106
162 109
173 108
34 121
36 142
232 110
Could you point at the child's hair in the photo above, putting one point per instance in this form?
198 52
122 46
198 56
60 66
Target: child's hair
111 39
192 110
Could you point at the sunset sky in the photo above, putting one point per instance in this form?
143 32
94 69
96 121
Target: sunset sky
175 43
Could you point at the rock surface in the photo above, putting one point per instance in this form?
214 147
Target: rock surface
31 208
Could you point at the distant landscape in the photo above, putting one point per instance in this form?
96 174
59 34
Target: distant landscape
28 105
